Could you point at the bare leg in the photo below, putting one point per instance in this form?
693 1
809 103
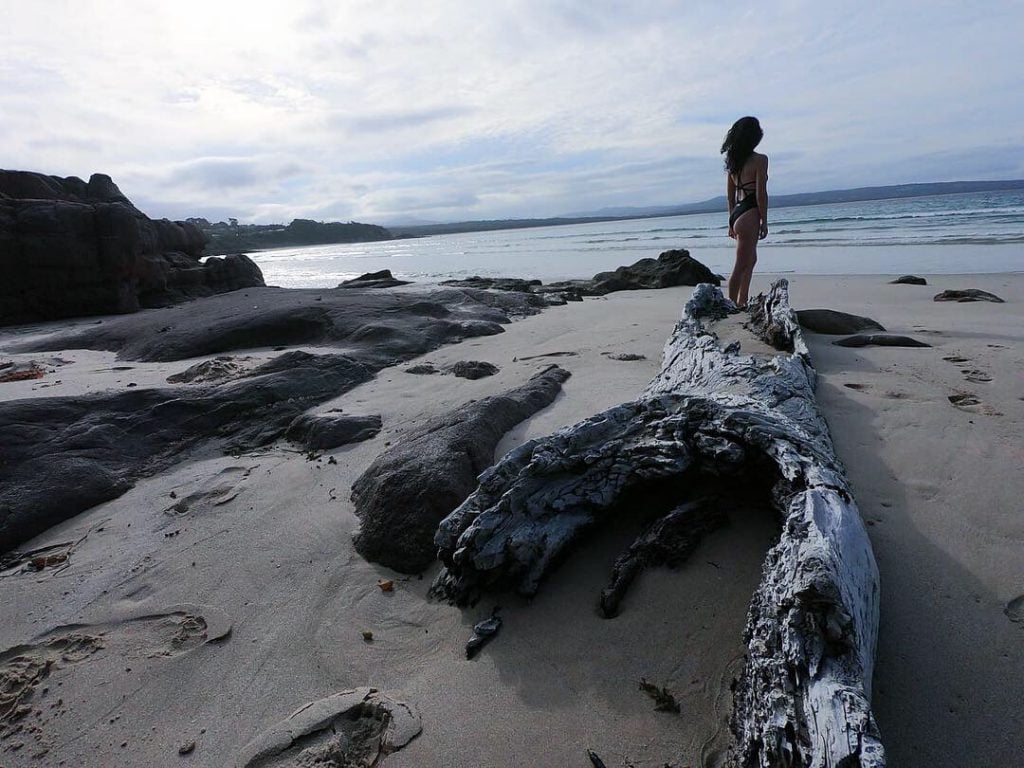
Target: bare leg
746 229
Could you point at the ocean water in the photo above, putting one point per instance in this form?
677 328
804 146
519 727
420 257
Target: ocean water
966 233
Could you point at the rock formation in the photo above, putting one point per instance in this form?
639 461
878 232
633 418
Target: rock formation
70 248
832 323
671 268
406 492
967 294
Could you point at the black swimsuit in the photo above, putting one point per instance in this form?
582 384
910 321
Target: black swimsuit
748 203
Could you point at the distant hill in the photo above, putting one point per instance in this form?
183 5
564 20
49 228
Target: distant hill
232 237
717 204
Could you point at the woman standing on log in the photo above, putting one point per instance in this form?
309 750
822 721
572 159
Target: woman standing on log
747 193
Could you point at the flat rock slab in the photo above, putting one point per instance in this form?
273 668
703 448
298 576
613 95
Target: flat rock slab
909 280
879 340
62 455
409 489
833 323
384 327
968 294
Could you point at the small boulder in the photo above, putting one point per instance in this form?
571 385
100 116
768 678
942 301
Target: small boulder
832 323
322 432
473 369
968 294
671 268
381 279
423 369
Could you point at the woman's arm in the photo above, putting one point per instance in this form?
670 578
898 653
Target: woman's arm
730 196
762 196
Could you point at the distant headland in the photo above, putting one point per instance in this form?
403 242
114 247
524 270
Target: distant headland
714 205
231 237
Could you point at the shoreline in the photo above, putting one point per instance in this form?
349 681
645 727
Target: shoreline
938 486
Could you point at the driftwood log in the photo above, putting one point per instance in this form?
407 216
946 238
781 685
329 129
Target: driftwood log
711 418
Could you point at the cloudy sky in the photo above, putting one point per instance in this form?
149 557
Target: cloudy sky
444 110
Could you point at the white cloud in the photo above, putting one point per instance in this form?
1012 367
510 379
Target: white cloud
451 109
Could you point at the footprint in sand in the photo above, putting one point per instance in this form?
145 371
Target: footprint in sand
1014 610
956 359
107 645
214 492
968 401
975 375
348 729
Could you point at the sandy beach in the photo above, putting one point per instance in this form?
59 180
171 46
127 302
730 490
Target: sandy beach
122 675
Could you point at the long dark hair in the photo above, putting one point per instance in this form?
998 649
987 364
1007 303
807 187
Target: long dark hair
739 143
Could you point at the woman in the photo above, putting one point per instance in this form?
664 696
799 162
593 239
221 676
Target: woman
747 193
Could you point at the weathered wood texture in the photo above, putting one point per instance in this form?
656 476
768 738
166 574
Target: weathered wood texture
711 415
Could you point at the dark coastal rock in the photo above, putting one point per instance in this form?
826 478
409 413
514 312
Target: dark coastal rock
909 280
473 369
495 283
409 489
219 369
423 369
70 248
832 323
324 432
671 268
63 455
384 326
381 279
879 340
968 294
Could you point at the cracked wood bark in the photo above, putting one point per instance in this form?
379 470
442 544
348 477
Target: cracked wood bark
803 698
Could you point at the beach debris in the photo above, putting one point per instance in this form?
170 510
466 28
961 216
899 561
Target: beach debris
473 369
11 372
879 340
483 632
967 294
832 323
595 760
367 636
624 356
709 421
422 369
352 728
186 748
909 280
664 701
547 354
386 585
39 559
